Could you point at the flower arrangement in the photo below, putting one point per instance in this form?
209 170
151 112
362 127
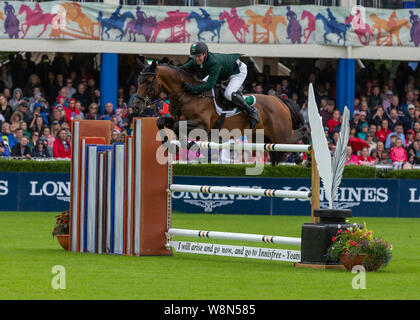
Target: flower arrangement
61 224
355 241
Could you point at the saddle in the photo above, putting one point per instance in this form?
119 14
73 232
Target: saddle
222 102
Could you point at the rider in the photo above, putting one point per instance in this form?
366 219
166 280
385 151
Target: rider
219 66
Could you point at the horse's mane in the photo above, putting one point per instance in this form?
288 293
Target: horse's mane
184 75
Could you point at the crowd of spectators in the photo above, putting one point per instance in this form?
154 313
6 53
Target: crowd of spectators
39 101
385 124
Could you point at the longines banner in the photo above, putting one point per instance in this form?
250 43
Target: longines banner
366 197
338 26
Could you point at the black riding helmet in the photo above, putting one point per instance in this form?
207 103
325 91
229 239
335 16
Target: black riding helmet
198 48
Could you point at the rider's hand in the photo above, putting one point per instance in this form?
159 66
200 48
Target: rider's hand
187 87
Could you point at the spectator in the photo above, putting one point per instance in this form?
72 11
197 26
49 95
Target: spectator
33 139
398 155
385 159
21 149
363 131
33 82
334 120
24 126
370 142
15 136
109 112
355 122
409 138
384 131
409 99
408 119
62 148
16 99
386 102
4 150
49 137
350 157
399 133
375 98
59 114
372 130
379 116
71 111
37 124
5 76
5 110
375 156
364 158
393 119
55 127
93 112
81 95
51 87
69 88
39 150
326 113
380 147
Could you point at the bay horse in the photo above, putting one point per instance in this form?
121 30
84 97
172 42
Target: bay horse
280 124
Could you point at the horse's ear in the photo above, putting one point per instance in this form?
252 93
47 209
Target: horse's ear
140 63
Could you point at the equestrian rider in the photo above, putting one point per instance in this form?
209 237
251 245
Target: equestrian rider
221 67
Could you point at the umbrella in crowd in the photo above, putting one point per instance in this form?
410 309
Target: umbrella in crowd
357 144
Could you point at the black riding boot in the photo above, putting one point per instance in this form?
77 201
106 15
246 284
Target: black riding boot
249 111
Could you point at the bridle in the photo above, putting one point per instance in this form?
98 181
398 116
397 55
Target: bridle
146 100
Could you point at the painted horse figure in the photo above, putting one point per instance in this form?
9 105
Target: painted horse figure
35 17
143 25
205 23
280 122
116 21
331 25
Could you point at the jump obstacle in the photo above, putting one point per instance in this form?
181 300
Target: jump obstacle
121 197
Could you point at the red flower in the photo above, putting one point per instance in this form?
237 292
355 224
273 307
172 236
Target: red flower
333 239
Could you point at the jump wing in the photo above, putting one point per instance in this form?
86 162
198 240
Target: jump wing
340 153
320 146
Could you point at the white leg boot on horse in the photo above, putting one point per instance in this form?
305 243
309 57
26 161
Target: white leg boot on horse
251 113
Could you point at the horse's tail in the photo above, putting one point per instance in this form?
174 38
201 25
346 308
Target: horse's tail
297 118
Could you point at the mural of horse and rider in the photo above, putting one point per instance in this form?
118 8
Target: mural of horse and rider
337 26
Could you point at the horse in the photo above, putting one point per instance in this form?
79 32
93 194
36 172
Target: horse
236 25
74 13
35 18
330 26
268 22
392 26
111 23
174 20
362 29
281 123
206 24
311 24
147 26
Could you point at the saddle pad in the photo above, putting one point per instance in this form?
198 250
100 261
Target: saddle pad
220 111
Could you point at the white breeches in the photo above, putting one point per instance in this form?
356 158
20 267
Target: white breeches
236 80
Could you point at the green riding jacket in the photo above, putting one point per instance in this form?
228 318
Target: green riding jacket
218 66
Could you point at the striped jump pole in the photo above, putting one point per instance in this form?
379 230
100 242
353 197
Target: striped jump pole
248 146
234 236
272 193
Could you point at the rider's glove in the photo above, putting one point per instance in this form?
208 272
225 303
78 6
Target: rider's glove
187 87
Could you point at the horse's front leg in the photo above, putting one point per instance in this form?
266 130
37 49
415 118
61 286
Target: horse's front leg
43 30
26 30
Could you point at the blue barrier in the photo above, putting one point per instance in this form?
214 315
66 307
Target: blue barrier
24 191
